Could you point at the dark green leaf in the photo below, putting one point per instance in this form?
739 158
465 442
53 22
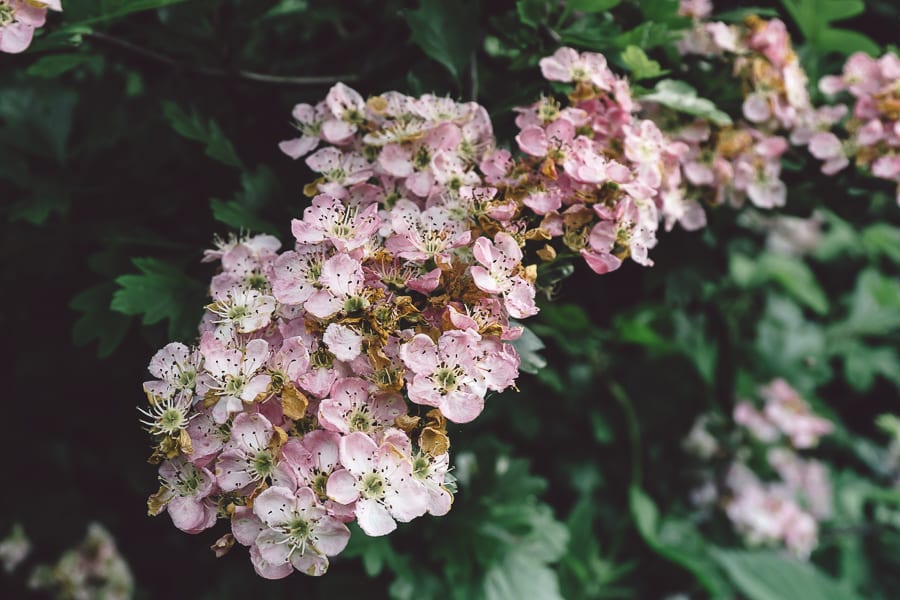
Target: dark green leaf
445 32
529 346
97 322
162 291
592 6
207 131
57 64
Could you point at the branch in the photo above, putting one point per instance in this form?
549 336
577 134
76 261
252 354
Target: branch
213 71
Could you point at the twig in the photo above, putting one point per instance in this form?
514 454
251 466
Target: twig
213 71
473 77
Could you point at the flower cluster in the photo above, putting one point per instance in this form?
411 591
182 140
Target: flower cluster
19 19
872 126
325 375
783 509
777 100
93 569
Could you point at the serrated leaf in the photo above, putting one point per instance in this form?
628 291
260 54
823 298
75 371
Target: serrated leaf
260 188
814 18
161 291
207 131
640 65
874 305
769 575
97 321
680 96
445 31
790 272
647 35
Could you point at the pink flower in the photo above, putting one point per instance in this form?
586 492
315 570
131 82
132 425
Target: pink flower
347 227
497 273
567 65
343 288
19 19
297 531
340 170
423 235
350 408
232 375
347 109
308 119
175 366
248 458
792 416
296 274
380 480
186 488
827 147
445 374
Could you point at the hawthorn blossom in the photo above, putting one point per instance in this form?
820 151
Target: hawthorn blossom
445 374
248 458
233 376
308 120
175 367
351 408
19 19
497 273
347 227
380 480
298 531
184 492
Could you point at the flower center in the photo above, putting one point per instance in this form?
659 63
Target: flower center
360 420
256 281
235 385
420 467
372 486
238 312
422 158
187 379
354 304
7 14
447 379
263 464
318 485
171 420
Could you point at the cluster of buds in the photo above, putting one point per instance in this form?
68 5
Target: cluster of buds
19 19
326 375
786 507
873 126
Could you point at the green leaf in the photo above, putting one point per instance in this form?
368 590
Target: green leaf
445 32
839 240
44 198
874 306
592 6
677 541
791 272
160 292
814 18
260 188
114 9
97 321
862 363
882 238
647 35
640 65
767 575
531 12
37 122
529 346
207 131
680 96
57 64
791 345
518 576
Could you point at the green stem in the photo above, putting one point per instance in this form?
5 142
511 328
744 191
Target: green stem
634 432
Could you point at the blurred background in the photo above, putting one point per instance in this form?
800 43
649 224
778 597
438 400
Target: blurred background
129 138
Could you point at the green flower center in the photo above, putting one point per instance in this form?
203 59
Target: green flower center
372 486
447 379
263 464
235 385
422 158
420 467
360 420
170 421
238 312
354 304
7 14
319 485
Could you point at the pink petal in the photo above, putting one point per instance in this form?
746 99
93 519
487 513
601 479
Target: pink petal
275 506
357 450
245 525
373 518
341 487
